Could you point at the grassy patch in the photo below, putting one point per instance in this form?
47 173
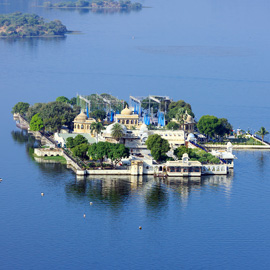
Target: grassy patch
60 159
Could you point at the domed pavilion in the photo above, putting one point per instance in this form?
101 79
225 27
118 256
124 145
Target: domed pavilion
82 123
127 118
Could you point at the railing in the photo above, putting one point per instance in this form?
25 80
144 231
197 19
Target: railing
259 139
199 146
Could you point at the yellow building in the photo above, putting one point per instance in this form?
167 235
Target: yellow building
127 118
82 123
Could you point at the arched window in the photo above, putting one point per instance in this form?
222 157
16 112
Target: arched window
78 126
131 121
127 121
82 127
135 122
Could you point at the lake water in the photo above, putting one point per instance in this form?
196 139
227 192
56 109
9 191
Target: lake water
212 54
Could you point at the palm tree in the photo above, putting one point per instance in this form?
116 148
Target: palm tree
96 127
117 131
180 116
262 132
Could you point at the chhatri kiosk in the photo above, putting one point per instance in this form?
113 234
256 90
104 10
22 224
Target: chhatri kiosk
82 123
128 119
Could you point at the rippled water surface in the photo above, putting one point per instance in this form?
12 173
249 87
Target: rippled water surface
212 54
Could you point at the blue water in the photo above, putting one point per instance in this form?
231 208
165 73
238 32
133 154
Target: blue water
212 54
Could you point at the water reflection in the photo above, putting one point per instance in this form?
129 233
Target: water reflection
155 193
118 191
261 160
103 11
156 196
33 42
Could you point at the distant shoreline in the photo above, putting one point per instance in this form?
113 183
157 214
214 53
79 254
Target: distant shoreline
43 36
117 8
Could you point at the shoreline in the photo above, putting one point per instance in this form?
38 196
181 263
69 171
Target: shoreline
91 8
237 147
44 36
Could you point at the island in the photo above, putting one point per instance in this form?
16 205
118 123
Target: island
103 135
96 4
29 25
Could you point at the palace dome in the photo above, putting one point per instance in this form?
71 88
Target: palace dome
143 127
81 117
191 137
189 119
126 111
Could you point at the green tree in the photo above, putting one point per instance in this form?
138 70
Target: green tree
173 126
174 109
73 101
224 127
158 147
98 114
36 123
21 108
196 154
262 132
55 114
117 131
80 139
208 124
70 142
96 127
99 151
80 150
63 99
181 115
53 124
33 110
182 150
117 152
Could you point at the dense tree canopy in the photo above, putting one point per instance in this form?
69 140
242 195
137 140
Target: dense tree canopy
196 154
117 152
212 126
21 107
177 110
101 150
27 25
81 150
36 123
63 99
80 139
158 147
95 4
73 101
33 110
56 114
98 114
173 126
53 114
